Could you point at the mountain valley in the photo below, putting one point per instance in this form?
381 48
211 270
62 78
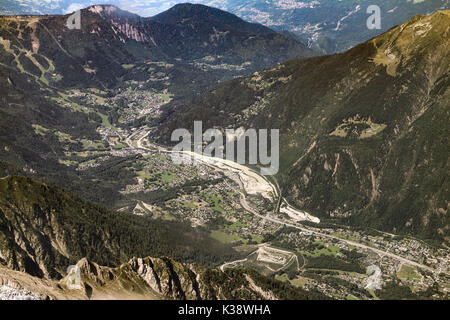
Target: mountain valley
87 178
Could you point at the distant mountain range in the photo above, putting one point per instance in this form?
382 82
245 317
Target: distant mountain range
109 35
326 25
329 25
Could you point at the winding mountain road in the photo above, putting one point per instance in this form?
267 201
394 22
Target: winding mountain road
247 207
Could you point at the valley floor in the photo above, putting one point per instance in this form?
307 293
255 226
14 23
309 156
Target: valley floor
333 259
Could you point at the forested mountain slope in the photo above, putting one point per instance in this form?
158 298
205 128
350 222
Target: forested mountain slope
364 134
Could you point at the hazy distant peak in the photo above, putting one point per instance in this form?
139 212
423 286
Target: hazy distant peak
108 9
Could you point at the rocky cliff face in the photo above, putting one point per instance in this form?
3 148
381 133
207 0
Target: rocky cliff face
16 285
34 237
164 278
148 279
